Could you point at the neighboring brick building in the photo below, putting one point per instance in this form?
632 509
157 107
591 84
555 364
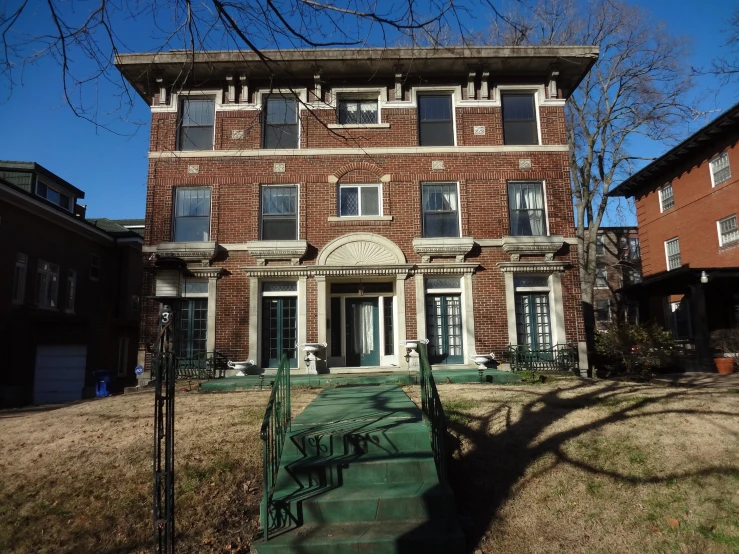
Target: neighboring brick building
619 265
70 291
362 197
687 205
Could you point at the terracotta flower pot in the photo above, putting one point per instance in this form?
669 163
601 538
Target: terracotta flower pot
725 366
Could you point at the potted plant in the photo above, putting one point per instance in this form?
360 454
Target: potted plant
725 344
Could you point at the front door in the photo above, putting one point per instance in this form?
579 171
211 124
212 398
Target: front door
279 329
362 332
444 328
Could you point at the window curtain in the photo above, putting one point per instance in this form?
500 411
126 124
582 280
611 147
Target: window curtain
527 209
364 337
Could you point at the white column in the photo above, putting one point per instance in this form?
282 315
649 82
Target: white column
302 317
468 319
510 304
420 308
210 335
558 309
322 307
254 321
400 317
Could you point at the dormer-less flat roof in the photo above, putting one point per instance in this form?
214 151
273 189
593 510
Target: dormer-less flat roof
183 69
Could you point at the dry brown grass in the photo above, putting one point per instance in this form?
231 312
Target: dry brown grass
562 467
595 468
78 479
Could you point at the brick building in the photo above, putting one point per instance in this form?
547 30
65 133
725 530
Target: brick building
687 203
618 266
70 291
359 198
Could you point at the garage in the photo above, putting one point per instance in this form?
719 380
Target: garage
60 373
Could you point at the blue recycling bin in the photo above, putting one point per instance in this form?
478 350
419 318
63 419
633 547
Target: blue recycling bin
102 380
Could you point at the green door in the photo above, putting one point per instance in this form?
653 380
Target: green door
444 328
279 330
362 332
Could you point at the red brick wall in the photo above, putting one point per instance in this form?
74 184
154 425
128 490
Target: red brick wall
698 207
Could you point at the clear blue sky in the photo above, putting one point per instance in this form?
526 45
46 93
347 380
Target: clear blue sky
38 126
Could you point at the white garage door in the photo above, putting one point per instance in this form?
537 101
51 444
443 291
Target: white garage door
60 373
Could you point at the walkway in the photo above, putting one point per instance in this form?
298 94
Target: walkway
358 475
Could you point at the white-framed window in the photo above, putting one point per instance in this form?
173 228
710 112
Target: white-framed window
728 232
47 285
196 123
603 310
70 293
720 170
600 247
279 212
634 248
440 206
95 267
123 343
360 200
358 111
666 198
520 124
191 214
281 128
672 252
527 209
435 119
55 196
19 278
601 276
532 301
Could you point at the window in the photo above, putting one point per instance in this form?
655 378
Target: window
280 122
631 276
672 248
532 320
358 200
47 284
720 170
122 356
601 277
632 314
353 112
602 310
600 247
440 210
526 206
435 123
634 249
444 320
728 231
279 213
52 195
71 291
192 328
666 199
95 267
196 124
19 278
519 119
192 214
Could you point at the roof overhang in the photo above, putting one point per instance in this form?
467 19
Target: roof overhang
702 142
185 68
678 281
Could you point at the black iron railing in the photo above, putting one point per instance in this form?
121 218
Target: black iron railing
558 357
204 365
433 411
275 426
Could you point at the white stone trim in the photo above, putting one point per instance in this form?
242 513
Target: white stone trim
556 302
485 243
510 304
302 322
174 100
469 347
517 246
420 306
210 333
349 218
399 315
254 309
335 244
431 247
312 152
263 250
358 126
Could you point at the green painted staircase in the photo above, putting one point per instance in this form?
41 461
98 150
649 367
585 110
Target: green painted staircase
358 475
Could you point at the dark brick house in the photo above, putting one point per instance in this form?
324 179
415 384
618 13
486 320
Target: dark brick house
687 204
70 291
359 198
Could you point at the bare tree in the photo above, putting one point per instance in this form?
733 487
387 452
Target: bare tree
727 65
637 88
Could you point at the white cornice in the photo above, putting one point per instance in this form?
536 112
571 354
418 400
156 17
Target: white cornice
289 152
360 271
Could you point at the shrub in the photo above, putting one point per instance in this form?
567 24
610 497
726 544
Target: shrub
633 349
725 342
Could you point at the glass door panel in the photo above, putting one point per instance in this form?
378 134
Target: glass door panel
444 328
279 330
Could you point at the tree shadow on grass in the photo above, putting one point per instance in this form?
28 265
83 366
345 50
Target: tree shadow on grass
495 461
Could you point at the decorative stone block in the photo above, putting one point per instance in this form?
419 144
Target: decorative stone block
524 163
193 169
278 168
237 134
479 129
437 164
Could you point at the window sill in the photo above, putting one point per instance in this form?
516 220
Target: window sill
443 247
359 126
347 219
548 246
188 251
263 250
729 245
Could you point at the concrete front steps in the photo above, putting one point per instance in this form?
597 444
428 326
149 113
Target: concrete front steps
358 475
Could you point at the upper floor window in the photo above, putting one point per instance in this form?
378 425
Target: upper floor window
728 231
71 292
720 170
95 267
435 120
280 122
666 199
519 119
631 275
634 248
47 284
600 247
526 206
440 210
196 118
279 212
601 277
359 200
354 112
672 251
192 214
603 309
19 278
53 195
